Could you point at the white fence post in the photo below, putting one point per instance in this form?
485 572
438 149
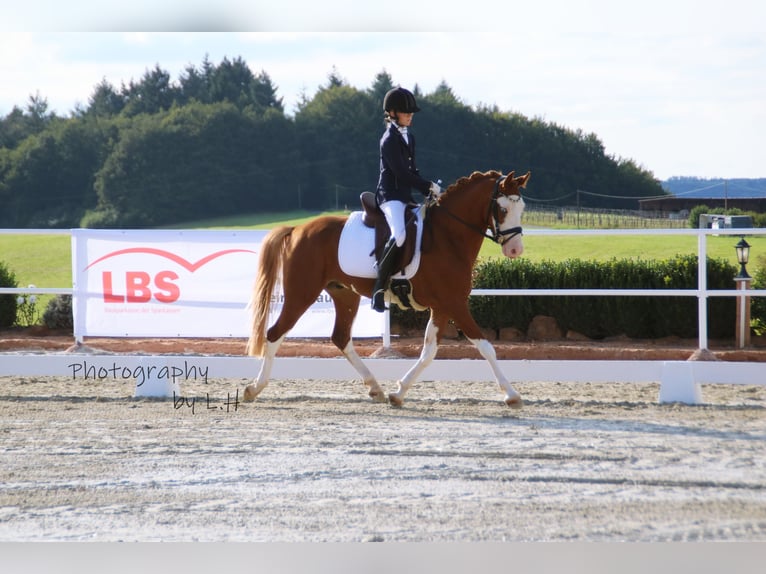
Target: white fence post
702 287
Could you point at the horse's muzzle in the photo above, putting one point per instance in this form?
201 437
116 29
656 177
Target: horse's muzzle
513 248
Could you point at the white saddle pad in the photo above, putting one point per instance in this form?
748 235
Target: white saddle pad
357 242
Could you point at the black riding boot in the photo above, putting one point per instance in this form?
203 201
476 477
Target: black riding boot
385 269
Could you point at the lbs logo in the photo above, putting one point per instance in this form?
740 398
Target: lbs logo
134 286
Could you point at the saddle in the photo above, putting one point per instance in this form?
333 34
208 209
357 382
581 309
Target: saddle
373 217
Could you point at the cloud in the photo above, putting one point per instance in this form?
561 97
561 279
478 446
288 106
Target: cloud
669 84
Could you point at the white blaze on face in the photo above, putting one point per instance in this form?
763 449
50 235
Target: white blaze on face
514 207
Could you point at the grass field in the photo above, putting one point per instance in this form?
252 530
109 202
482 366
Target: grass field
45 260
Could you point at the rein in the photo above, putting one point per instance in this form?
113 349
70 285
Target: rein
499 237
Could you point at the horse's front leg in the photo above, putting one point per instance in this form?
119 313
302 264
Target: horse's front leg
346 303
512 397
374 390
427 354
253 390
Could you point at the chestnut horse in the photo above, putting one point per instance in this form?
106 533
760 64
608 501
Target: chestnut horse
306 259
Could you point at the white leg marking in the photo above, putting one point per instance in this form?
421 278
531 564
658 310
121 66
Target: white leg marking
512 397
369 379
427 355
262 381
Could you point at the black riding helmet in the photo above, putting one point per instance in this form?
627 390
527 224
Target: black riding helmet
400 100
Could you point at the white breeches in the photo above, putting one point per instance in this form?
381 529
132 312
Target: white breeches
394 212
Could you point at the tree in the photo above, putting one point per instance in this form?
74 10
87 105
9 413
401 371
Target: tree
232 81
338 133
48 179
37 111
380 86
218 143
264 93
192 162
444 95
22 123
440 154
105 101
193 86
14 128
334 79
152 94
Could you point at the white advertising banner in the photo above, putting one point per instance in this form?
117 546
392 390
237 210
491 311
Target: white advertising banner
157 283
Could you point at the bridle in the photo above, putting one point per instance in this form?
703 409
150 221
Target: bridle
493 219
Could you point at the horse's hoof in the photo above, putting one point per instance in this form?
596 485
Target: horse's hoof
395 400
249 394
378 396
514 402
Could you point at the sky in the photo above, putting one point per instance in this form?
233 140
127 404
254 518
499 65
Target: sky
677 86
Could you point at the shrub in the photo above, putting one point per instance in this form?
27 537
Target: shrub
758 304
599 317
58 313
101 219
697 210
8 301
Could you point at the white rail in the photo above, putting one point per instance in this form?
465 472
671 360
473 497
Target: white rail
679 380
701 292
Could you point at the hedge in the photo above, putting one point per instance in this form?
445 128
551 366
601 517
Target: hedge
597 317
7 301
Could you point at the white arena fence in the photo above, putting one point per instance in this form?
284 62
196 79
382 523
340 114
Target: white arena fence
161 375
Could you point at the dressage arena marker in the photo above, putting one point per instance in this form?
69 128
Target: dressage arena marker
678 384
156 386
679 380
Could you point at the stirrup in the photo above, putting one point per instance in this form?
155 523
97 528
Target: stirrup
379 301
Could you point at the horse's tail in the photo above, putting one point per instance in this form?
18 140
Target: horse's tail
269 276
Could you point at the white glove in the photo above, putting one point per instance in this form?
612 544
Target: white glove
435 189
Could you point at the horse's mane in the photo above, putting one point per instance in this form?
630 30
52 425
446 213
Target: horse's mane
474 177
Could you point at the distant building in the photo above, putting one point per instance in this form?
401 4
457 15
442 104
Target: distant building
716 221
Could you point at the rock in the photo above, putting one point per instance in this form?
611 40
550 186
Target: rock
575 336
384 352
489 334
544 328
510 334
703 355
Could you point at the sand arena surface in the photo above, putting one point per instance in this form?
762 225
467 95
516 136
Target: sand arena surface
318 461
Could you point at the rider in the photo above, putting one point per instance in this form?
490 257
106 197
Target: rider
398 175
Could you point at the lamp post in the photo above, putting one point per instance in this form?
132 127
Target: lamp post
743 301
743 256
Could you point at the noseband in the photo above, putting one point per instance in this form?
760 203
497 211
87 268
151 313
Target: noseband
492 219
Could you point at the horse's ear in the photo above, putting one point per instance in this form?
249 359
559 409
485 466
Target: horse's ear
522 180
507 180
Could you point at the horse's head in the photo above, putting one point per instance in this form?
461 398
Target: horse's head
506 211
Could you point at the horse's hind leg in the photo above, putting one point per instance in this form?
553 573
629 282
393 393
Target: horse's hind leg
346 304
262 381
296 302
427 354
